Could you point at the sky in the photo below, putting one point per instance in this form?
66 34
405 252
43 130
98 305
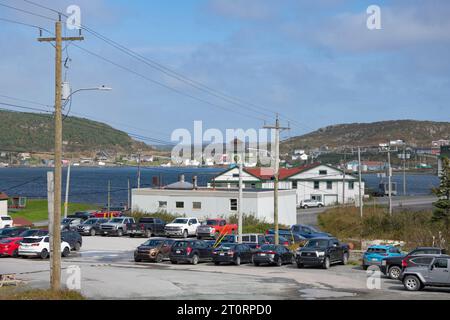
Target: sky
314 62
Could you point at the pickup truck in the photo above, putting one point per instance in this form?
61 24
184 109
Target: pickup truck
184 227
212 228
322 252
116 226
147 227
304 231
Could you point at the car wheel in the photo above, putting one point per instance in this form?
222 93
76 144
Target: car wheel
256 263
119 232
15 254
279 262
216 263
345 259
159 258
44 254
66 252
92 232
195 259
364 267
326 263
77 246
305 207
185 234
299 265
412 283
394 272
320 206
131 235
238 261
173 261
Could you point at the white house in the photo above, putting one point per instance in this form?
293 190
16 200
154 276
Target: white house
181 198
315 181
3 204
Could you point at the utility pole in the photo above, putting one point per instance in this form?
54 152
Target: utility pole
240 203
66 202
139 171
56 238
50 201
404 170
109 196
389 179
360 184
129 195
277 129
343 180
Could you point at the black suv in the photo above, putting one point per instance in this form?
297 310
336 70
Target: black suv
12 232
73 238
392 266
192 251
322 252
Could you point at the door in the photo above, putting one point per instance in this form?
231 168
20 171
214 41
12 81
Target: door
439 271
330 200
203 250
335 250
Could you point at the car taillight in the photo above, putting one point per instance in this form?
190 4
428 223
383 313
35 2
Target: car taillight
270 252
35 245
267 231
405 263
188 250
286 243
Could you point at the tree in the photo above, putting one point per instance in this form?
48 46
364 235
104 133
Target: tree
442 206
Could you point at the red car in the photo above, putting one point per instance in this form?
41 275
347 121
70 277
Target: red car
10 247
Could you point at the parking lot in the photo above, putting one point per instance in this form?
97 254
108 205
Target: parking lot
108 271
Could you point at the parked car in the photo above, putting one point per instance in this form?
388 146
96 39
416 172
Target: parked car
146 227
392 266
40 247
435 274
73 238
309 203
272 254
322 252
154 249
301 230
270 239
212 228
6 222
190 250
70 223
91 226
12 232
116 226
376 253
183 227
10 247
234 253
33 233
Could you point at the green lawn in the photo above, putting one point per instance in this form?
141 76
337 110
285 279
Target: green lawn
36 210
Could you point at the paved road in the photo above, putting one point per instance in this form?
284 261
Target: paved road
416 203
109 272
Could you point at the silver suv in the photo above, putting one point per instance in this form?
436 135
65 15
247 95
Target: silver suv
434 274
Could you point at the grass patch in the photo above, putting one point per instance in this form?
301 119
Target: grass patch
37 210
38 294
414 228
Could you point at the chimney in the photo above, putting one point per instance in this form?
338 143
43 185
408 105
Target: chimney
194 181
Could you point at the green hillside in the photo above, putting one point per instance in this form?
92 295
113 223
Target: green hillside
34 132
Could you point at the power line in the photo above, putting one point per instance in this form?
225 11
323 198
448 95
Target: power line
26 11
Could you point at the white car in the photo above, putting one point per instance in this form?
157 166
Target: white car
305 204
40 247
6 222
184 227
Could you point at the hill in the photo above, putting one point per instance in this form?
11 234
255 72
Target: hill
414 133
34 132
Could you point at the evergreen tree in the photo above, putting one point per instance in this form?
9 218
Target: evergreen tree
442 206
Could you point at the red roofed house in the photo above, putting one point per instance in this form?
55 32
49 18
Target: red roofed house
314 181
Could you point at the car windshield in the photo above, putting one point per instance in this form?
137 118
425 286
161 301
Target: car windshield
32 240
321 243
229 238
6 241
91 221
6 218
152 243
116 220
211 222
182 221
376 250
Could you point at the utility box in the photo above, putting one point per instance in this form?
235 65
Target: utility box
65 90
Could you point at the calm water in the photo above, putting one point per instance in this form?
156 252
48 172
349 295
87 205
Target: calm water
90 185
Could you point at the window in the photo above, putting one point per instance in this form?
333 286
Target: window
193 221
179 204
316 185
294 185
323 172
235 175
394 250
233 205
440 263
329 185
253 185
423 261
351 185
163 204
196 205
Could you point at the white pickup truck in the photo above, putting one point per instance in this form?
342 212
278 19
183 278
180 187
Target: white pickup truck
6 222
184 227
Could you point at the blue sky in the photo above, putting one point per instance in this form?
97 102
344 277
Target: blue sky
313 61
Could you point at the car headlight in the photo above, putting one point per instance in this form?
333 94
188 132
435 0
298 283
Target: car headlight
320 253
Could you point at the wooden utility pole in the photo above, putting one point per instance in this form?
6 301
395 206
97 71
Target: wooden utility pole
277 129
50 201
139 171
361 203
240 213
129 195
109 196
56 237
390 180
